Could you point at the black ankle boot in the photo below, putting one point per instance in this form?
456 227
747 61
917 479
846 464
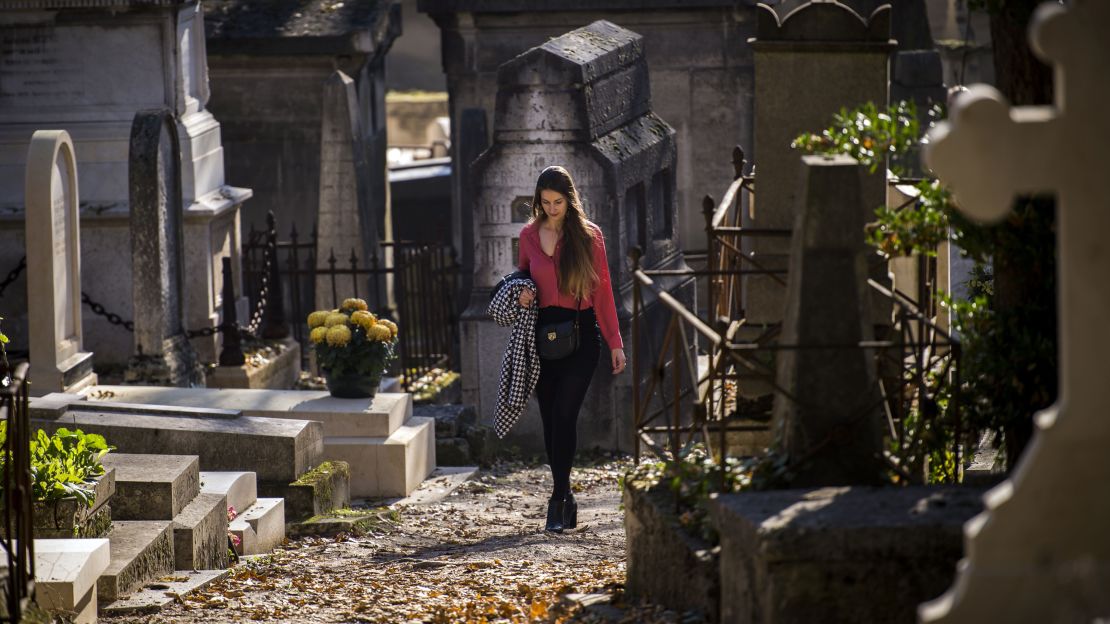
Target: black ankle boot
570 512
554 515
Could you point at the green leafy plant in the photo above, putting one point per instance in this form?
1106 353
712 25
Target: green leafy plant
868 134
66 464
352 340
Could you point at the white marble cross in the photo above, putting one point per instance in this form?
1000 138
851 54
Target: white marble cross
1041 550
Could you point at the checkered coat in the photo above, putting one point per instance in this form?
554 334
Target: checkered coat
520 367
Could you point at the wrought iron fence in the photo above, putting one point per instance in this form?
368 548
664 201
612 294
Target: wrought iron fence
421 276
17 540
682 402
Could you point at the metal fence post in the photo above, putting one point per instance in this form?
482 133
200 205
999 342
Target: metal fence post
232 352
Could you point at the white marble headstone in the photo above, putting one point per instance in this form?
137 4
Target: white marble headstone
1041 550
54 266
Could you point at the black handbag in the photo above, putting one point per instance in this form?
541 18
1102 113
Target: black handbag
559 339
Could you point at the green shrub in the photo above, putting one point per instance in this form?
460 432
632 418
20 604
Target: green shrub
64 464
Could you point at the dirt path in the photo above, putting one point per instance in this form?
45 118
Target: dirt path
479 555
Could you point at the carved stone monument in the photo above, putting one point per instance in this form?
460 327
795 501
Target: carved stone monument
1040 552
163 355
830 386
87 66
798 49
58 362
345 223
582 101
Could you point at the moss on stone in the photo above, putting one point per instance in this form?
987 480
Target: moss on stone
322 478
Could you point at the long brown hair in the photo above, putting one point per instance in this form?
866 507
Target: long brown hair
576 272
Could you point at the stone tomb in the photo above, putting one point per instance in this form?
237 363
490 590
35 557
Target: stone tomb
87 66
163 355
797 51
58 361
390 451
582 101
1040 552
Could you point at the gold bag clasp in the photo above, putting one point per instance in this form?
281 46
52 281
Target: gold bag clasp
551 335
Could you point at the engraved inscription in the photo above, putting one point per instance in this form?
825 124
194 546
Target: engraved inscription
32 65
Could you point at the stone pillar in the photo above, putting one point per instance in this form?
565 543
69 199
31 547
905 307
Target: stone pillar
1040 552
163 355
809 63
830 409
53 238
344 222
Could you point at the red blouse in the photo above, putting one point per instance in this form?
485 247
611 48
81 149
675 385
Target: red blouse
543 270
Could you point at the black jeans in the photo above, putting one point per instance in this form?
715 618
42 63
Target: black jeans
561 390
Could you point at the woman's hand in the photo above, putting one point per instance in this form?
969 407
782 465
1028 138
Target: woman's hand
618 360
527 297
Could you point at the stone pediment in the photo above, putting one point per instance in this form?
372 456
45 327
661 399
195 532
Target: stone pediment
823 21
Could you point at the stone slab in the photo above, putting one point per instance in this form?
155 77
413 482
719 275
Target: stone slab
393 466
240 488
141 550
200 534
439 485
152 487
379 416
838 554
164 591
275 449
68 517
66 573
260 528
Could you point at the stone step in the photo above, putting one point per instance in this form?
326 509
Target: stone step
163 592
275 449
260 528
377 417
200 534
141 550
152 487
325 488
66 573
240 488
383 467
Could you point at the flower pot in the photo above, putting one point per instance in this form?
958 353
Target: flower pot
353 385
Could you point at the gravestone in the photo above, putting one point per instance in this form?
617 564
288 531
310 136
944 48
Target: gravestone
87 66
344 221
582 101
1040 552
829 386
163 355
811 60
58 362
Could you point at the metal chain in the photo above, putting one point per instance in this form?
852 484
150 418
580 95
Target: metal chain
13 274
263 294
99 310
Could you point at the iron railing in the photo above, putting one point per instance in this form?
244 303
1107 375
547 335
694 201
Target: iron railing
422 277
17 538
682 402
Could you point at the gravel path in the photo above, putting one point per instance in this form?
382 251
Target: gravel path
480 555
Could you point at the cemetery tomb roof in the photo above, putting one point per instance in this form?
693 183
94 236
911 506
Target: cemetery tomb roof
515 6
588 53
352 22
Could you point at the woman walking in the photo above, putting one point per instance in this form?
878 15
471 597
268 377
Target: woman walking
565 254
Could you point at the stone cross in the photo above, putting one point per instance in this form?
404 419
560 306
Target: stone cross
832 414
53 240
163 355
1041 550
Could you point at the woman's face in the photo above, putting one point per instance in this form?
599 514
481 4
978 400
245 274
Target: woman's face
554 204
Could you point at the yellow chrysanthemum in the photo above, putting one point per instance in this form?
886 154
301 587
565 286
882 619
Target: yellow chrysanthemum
336 319
390 324
379 332
355 304
319 334
317 318
339 335
363 319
